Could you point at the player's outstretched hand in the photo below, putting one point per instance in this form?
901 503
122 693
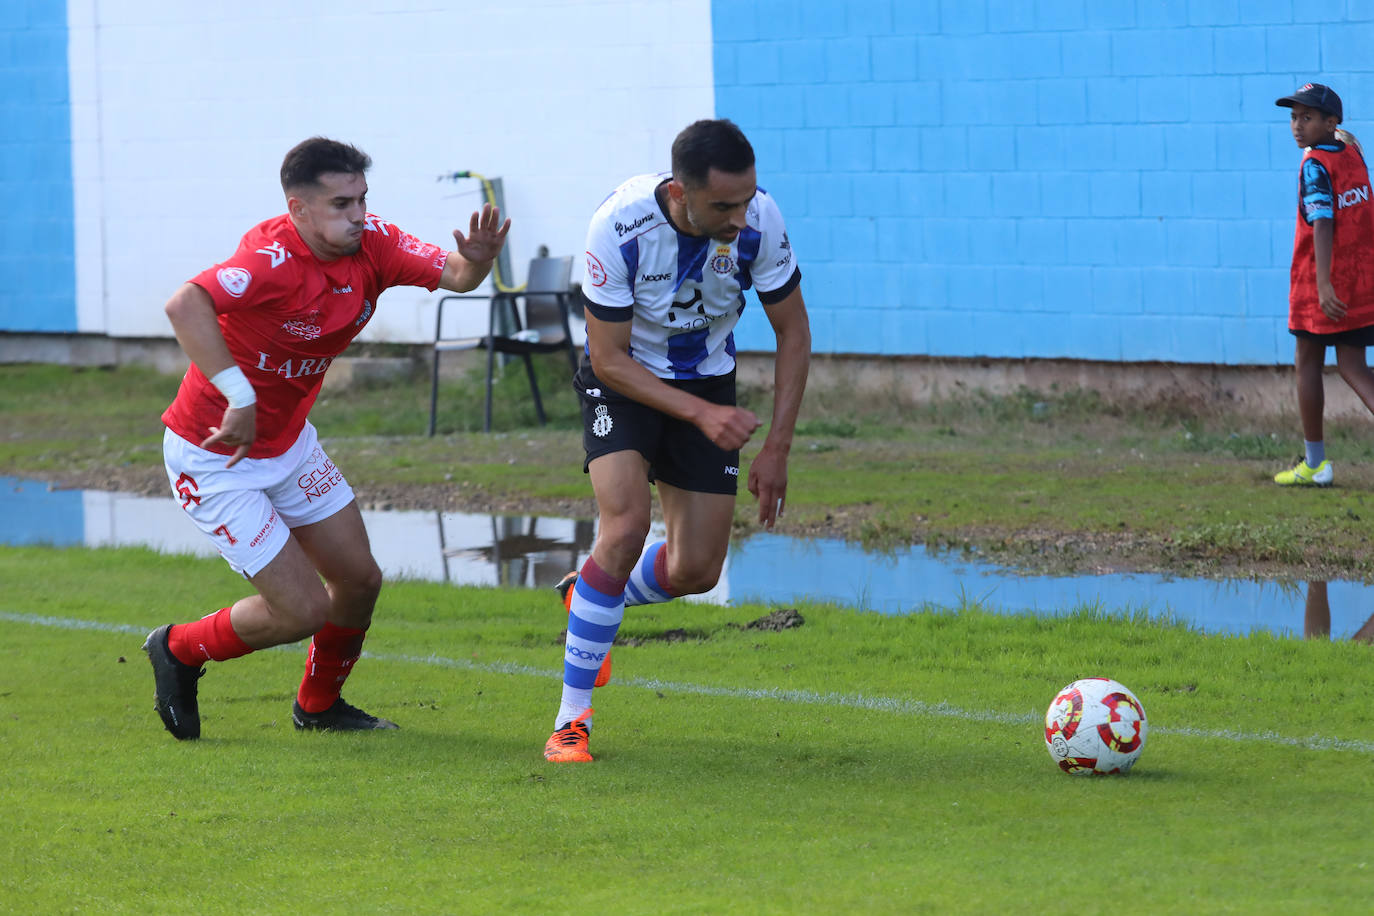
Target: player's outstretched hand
768 483
729 427
239 427
486 235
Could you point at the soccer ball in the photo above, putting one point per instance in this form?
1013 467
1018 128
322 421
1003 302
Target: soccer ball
1095 726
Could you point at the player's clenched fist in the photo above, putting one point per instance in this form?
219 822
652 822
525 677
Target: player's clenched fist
729 427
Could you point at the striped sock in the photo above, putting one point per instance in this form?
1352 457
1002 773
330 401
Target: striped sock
598 606
649 579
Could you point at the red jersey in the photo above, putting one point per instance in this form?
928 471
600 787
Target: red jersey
286 315
1352 250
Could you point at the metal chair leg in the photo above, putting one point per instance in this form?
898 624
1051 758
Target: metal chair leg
534 389
491 367
434 393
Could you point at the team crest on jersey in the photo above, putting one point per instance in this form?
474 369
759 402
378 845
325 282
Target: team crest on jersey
235 280
601 426
722 263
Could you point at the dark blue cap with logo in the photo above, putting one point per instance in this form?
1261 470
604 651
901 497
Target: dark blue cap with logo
1315 95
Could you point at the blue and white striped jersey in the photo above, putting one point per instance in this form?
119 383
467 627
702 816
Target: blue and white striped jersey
683 293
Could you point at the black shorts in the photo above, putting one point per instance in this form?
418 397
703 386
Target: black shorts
678 453
1359 337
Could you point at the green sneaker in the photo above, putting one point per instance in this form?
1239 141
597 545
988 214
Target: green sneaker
1303 476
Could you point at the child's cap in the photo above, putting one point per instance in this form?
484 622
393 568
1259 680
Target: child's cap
1315 95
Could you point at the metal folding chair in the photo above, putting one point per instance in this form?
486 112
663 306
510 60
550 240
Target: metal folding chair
542 328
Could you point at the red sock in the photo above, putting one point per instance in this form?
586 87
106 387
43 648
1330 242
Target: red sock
602 581
211 638
332 654
661 571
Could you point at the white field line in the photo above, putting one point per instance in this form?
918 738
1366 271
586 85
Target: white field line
802 697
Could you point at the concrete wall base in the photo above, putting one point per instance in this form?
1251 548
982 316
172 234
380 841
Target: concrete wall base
1256 391
165 355
162 354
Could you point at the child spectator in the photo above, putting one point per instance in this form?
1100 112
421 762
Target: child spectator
1331 292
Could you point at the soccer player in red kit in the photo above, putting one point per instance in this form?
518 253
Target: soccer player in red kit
243 459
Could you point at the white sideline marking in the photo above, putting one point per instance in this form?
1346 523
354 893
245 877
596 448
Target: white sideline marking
803 697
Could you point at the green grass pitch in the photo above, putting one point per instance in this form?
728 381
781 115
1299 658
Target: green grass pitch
858 763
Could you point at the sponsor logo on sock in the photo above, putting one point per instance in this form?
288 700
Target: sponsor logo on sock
583 654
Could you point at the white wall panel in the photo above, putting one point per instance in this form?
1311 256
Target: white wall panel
182 113
83 74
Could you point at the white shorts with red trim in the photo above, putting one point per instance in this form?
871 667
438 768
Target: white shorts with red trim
249 510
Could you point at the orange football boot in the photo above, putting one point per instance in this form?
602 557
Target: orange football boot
569 743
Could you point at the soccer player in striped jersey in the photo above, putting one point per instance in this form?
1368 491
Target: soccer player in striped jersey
669 259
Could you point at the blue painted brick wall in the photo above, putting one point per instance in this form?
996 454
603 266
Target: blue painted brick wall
37 242
1106 181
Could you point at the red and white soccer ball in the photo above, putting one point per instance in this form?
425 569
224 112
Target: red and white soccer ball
1095 726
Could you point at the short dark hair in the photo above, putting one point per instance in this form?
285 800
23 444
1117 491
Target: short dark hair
707 144
309 159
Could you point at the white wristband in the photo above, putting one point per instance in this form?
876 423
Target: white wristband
234 385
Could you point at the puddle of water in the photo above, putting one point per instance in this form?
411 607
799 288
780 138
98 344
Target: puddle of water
535 552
